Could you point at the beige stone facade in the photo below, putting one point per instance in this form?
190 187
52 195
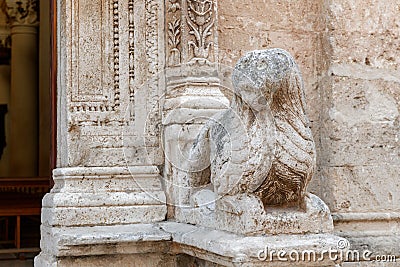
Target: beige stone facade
138 79
348 52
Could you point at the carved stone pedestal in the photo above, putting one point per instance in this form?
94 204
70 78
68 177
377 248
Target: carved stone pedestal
171 244
104 196
246 215
83 199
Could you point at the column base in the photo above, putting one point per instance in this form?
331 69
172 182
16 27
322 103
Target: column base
104 196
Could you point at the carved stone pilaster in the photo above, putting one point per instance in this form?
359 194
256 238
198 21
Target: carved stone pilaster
192 82
191 31
22 12
111 57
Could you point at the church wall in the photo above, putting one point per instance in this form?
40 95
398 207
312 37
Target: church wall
130 103
348 54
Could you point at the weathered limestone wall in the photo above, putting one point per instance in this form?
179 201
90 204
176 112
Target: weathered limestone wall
361 110
360 122
349 54
295 26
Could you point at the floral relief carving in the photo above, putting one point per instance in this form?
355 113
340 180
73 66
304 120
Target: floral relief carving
200 20
174 32
190 31
174 6
174 40
152 51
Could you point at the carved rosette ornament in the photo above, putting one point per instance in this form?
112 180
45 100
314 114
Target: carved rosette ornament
23 12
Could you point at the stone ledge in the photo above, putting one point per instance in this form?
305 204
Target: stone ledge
366 216
379 232
173 238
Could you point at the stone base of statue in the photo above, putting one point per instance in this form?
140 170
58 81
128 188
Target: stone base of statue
245 214
171 244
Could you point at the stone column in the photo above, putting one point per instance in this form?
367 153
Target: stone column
24 88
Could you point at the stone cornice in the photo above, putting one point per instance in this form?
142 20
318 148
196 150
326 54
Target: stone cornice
21 12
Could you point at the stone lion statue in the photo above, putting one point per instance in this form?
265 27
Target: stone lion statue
262 145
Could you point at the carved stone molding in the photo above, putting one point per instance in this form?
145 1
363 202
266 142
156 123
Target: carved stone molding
153 18
96 73
111 74
191 27
131 11
22 12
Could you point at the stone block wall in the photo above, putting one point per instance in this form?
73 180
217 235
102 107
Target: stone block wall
361 110
348 52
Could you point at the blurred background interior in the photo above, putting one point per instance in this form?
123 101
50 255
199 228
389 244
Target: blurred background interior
25 124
